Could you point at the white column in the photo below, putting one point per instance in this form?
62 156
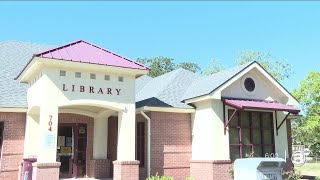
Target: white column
31 137
48 133
281 141
208 139
203 132
126 134
100 138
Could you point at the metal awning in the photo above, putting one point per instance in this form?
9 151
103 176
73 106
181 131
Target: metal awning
255 104
241 105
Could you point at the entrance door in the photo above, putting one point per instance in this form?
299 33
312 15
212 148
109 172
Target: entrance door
71 150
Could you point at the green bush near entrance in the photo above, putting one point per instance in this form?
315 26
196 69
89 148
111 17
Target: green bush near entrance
157 177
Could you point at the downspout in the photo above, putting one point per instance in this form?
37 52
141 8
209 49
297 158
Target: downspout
149 141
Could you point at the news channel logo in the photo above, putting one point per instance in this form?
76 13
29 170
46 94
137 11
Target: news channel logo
299 155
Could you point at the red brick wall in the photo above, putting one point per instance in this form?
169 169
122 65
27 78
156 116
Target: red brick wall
13 141
126 170
205 170
170 144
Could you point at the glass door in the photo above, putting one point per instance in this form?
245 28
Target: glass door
79 162
65 150
71 150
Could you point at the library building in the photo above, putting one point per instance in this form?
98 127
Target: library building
81 111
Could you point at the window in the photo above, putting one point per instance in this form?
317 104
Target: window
1 136
62 73
92 76
107 77
249 84
120 79
78 74
140 142
251 132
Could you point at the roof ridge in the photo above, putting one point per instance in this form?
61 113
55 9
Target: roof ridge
231 68
137 63
91 44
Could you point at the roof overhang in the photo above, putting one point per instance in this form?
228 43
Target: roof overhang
37 63
13 109
259 104
165 109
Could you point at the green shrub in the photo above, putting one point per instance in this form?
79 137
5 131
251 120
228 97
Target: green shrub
231 171
157 177
317 178
291 175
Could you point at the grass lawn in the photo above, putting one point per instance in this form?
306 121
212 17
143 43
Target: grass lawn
312 169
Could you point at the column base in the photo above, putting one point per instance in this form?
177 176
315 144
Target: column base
126 170
45 171
210 169
100 168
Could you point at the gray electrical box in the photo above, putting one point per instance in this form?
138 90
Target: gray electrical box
258 169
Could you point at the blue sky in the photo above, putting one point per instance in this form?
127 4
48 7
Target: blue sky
185 31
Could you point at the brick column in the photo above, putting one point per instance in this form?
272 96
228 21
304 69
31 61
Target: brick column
45 171
126 170
210 169
99 168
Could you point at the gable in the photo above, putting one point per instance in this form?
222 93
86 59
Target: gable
263 88
268 87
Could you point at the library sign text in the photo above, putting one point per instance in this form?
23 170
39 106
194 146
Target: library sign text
91 89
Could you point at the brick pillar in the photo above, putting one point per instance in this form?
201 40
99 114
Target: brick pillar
45 171
100 168
126 170
288 166
210 169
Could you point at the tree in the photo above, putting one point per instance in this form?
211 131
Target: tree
161 65
193 67
213 67
306 130
278 68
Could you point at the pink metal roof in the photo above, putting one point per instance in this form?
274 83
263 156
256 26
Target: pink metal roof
254 104
85 52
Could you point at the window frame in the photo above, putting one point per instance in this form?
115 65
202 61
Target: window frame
241 145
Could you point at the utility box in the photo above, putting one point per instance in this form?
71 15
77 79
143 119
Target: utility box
258 169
